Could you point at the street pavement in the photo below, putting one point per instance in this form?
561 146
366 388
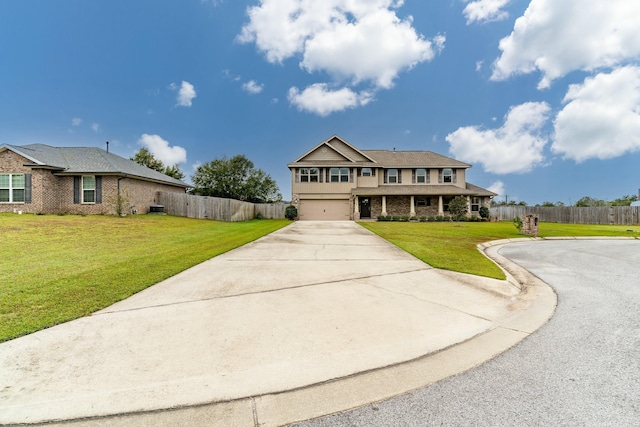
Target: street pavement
315 318
580 369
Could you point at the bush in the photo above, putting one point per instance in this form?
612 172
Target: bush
259 215
484 212
517 223
423 218
291 212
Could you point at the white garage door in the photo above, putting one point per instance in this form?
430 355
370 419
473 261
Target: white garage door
324 210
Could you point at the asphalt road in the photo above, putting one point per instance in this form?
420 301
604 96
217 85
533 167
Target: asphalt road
580 369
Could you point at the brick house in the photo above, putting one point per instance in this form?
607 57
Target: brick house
38 178
337 181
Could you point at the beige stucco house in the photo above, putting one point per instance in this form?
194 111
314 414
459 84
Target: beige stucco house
38 178
337 181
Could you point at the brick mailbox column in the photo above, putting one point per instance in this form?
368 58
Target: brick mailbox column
530 225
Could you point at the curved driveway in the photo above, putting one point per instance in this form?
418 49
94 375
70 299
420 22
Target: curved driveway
580 369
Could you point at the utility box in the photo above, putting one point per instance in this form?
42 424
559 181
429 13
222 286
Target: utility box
530 225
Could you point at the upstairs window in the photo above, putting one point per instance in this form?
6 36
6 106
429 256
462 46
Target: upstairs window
421 176
339 175
12 188
392 176
447 175
309 175
88 189
366 171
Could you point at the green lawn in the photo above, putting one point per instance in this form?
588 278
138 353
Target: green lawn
58 268
453 246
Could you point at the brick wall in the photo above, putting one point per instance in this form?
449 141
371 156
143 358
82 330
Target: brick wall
53 194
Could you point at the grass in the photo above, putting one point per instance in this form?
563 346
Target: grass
58 268
453 246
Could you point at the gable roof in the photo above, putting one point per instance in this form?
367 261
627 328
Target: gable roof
87 160
332 150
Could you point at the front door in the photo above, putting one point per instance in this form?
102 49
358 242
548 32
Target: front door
365 207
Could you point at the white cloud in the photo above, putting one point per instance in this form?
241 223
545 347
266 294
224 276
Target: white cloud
353 41
252 87
498 187
95 127
601 118
76 121
485 11
516 147
557 37
186 93
320 99
162 151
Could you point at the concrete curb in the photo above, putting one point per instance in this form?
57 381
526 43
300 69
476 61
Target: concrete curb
534 304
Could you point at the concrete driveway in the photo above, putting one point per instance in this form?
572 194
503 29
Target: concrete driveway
314 318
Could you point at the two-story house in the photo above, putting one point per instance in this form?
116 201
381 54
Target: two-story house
337 181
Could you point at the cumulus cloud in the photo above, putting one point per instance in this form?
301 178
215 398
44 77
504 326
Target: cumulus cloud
498 187
320 99
557 37
355 41
485 11
601 118
252 87
95 127
516 147
161 149
186 93
76 121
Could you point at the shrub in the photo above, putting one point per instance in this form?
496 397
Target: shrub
517 223
423 218
259 215
431 218
484 212
291 212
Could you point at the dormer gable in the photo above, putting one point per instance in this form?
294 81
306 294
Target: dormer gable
334 150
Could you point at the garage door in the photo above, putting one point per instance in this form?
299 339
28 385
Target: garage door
324 210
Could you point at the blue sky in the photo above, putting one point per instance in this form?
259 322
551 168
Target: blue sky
542 97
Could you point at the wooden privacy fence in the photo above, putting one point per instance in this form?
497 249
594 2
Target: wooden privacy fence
617 215
217 208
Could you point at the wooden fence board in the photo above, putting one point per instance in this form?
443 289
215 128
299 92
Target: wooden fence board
217 208
617 215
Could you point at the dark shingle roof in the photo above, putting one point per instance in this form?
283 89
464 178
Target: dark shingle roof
89 160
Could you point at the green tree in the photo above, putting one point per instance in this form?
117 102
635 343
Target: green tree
587 202
235 178
145 158
458 207
624 200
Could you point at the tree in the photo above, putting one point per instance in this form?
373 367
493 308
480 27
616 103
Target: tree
624 200
458 207
587 202
235 178
145 158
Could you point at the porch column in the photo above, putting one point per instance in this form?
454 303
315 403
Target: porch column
468 205
356 206
413 206
440 206
384 205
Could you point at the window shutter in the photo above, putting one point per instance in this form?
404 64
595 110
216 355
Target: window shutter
350 174
413 176
399 176
297 175
320 174
359 171
328 170
373 172
428 172
454 176
76 190
27 188
98 189
439 176
385 176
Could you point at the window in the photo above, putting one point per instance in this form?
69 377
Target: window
423 201
309 175
12 188
88 189
392 176
421 176
339 174
447 175
475 204
445 203
366 171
